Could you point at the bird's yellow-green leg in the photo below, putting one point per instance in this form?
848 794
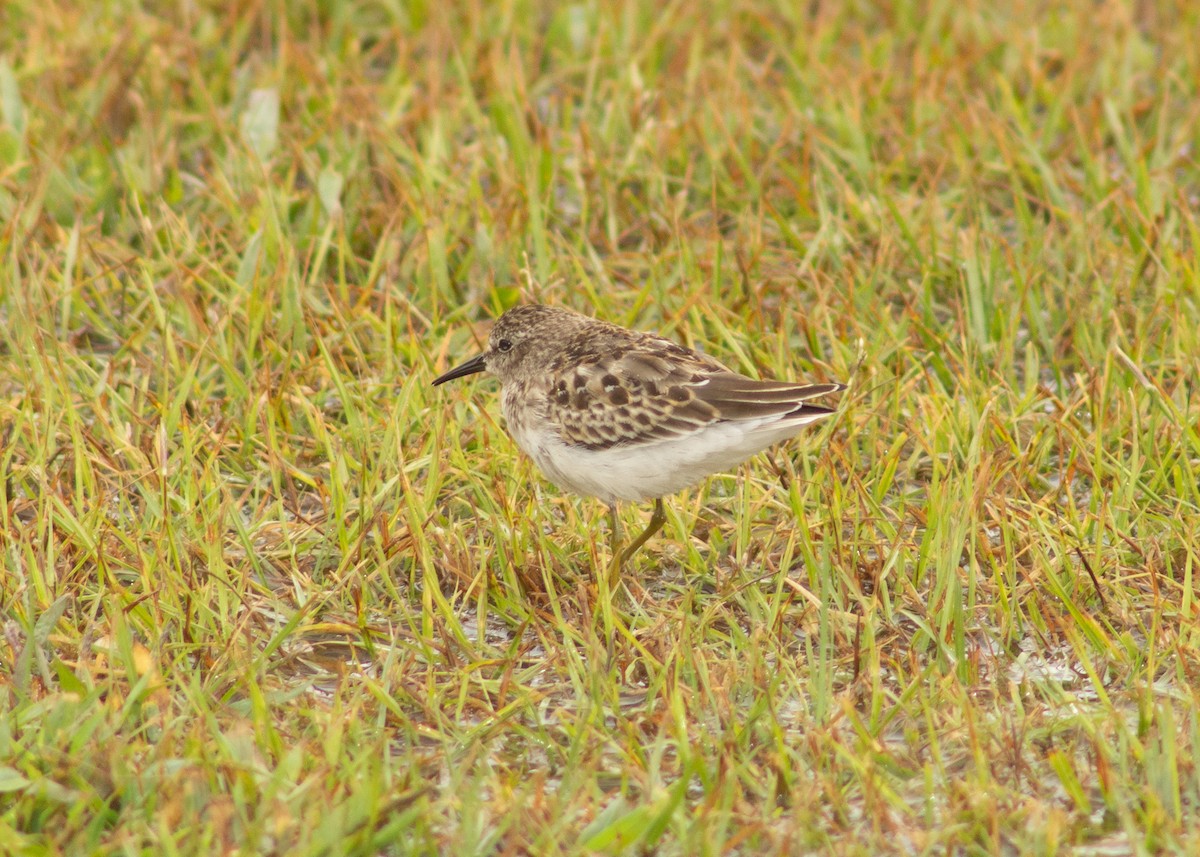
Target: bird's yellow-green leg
620 557
614 549
657 519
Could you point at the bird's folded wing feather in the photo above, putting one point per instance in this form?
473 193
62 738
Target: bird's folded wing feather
665 391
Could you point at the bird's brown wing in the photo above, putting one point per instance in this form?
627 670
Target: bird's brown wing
657 390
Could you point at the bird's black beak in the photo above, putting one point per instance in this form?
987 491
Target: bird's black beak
475 364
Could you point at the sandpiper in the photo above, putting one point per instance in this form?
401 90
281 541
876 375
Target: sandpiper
618 414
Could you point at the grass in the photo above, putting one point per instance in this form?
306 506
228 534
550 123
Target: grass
264 590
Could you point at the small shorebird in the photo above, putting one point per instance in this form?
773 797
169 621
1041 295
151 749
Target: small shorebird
617 414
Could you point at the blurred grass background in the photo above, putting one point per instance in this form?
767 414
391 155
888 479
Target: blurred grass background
264 591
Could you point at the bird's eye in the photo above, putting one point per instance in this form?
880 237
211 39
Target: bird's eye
504 345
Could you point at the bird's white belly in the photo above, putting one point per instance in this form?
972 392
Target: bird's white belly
645 470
